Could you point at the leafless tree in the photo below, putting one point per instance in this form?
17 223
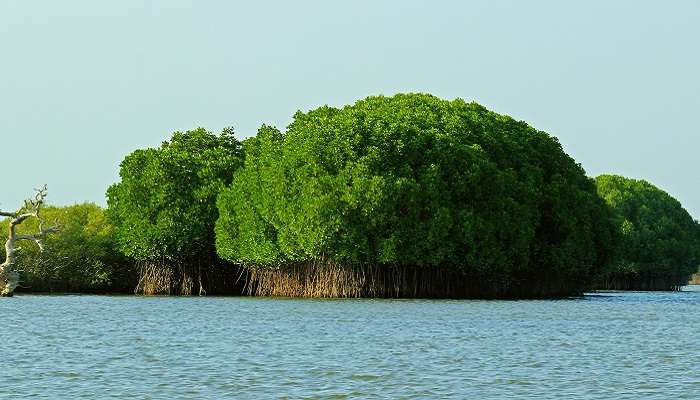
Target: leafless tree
9 276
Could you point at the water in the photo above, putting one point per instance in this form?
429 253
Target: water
602 346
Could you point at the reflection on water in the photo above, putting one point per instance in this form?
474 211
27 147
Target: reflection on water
604 345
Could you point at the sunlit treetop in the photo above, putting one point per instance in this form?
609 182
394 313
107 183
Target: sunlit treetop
414 180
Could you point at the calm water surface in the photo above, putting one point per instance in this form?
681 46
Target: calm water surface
608 345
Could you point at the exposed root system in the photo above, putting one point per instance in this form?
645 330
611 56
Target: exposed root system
161 278
328 279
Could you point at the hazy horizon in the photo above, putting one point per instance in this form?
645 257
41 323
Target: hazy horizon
82 84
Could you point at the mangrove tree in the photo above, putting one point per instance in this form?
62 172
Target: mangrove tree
660 246
412 196
164 209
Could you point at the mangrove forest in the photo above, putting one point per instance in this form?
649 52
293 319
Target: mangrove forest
402 196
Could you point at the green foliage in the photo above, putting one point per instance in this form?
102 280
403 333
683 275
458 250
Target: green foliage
165 205
659 237
82 256
413 180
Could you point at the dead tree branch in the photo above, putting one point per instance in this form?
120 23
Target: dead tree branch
9 277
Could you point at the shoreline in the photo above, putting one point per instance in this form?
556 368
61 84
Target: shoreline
572 297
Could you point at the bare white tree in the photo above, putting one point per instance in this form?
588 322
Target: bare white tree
9 276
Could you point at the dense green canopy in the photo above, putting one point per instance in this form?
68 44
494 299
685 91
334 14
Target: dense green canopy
413 180
81 256
165 205
660 240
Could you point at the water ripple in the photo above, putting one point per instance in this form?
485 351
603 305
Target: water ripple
604 345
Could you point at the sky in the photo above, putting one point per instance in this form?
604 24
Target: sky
83 83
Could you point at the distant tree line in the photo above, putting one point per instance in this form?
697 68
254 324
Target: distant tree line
81 257
409 196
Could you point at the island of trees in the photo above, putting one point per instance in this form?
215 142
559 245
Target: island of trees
403 196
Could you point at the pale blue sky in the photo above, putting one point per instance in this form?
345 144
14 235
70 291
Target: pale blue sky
83 83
